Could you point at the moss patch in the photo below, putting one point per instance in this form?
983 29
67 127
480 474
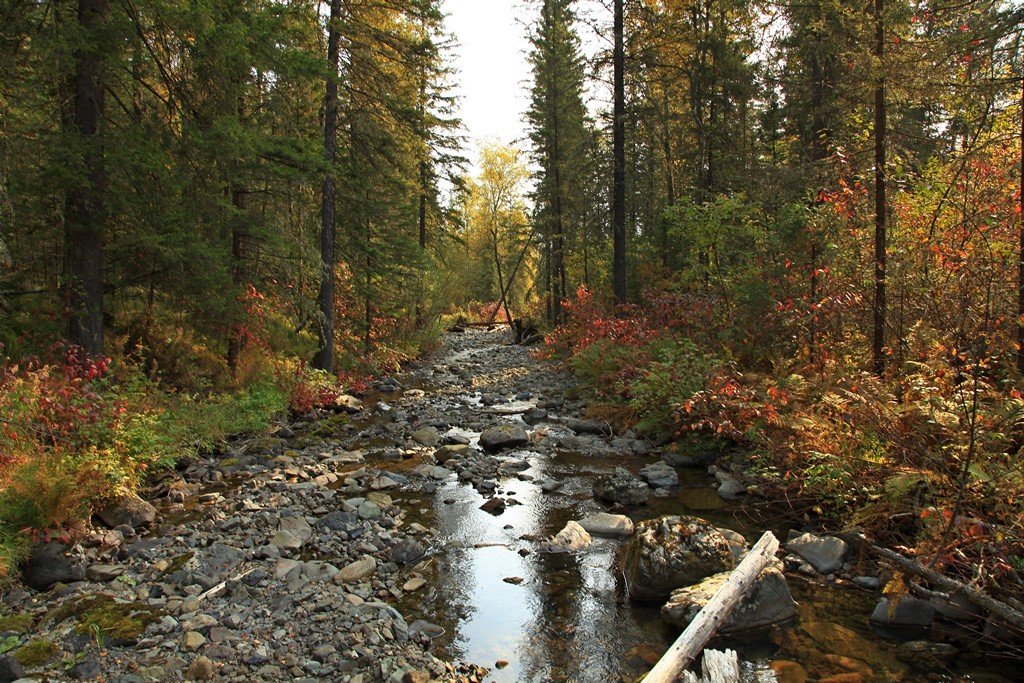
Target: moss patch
228 462
121 623
16 623
179 562
36 653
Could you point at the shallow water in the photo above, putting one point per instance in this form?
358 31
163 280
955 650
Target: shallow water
568 619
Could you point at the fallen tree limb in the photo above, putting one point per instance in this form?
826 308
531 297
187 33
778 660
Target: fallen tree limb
1003 611
690 643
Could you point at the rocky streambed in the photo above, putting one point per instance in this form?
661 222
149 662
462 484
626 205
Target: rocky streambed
464 522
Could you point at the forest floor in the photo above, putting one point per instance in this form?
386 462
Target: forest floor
351 546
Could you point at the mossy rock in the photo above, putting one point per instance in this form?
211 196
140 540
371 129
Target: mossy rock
120 623
36 653
16 623
178 562
291 454
228 462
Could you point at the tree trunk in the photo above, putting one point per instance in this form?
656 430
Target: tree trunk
85 219
878 335
619 154
1020 215
324 358
240 201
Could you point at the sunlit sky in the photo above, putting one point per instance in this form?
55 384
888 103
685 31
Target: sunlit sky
493 74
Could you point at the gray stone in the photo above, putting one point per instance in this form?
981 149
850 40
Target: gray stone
621 488
356 571
286 540
339 520
907 613
10 669
589 427
605 524
571 538
659 475
731 489
201 669
130 510
369 510
407 551
297 526
503 436
770 603
103 572
425 628
427 436
824 553
51 563
672 552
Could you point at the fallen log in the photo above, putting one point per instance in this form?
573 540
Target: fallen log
716 667
1003 611
690 643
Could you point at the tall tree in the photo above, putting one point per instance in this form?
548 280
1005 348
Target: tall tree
879 307
619 158
85 219
324 358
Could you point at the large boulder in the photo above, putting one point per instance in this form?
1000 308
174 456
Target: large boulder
673 552
130 510
53 562
503 436
768 604
824 553
571 538
660 475
621 488
606 524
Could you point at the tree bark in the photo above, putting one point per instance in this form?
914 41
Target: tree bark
879 312
619 160
85 206
1020 220
324 358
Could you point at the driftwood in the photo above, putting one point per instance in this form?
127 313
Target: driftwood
703 627
716 667
1006 613
219 588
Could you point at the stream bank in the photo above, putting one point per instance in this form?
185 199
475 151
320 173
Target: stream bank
352 550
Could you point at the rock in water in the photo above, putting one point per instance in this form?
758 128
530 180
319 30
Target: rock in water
825 553
621 488
427 436
53 562
592 427
907 613
407 551
659 475
571 538
605 524
130 510
503 436
769 604
672 552
495 506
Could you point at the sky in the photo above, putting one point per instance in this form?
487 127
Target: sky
492 70
493 74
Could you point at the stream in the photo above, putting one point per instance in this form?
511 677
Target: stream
536 616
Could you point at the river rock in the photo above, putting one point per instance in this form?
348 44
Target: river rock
130 510
907 613
535 416
606 524
688 459
768 604
571 538
824 553
53 562
503 436
10 669
407 551
589 427
426 436
731 489
368 510
103 573
201 669
671 552
356 571
495 506
622 488
659 475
